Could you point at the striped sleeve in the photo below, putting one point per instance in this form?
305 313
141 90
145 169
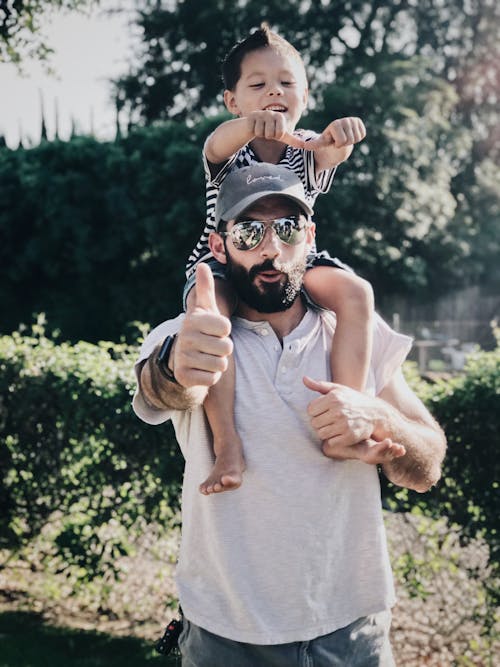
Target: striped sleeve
201 252
315 183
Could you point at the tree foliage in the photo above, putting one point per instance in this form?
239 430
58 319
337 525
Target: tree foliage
425 78
392 211
180 54
96 234
21 33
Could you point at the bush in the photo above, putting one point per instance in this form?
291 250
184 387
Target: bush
466 407
72 448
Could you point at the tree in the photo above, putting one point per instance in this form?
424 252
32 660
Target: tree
21 33
424 76
96 234
391 208
178 62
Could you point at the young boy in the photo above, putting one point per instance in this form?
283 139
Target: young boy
266 89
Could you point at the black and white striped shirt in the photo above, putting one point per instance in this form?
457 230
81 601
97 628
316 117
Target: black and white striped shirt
298 160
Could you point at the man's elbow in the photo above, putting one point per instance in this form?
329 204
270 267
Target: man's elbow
428 476
427 481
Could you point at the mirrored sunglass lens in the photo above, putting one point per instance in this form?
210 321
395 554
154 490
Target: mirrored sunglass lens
246 235
290 230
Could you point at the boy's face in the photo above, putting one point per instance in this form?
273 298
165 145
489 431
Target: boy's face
272 81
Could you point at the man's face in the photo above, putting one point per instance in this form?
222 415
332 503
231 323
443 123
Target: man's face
269 277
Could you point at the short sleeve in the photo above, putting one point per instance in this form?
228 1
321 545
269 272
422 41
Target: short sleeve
316 183
217 178
390 349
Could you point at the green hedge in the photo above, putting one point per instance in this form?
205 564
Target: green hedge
96 235
71 447
467 407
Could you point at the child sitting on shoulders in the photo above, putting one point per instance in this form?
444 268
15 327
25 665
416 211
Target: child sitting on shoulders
266 89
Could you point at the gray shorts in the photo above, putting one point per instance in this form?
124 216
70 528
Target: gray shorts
363 643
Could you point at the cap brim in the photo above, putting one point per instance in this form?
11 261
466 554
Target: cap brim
243 204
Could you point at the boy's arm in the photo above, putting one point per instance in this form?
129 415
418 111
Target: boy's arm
233 134
335 144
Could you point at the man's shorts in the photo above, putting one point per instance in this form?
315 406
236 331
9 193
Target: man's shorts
363 643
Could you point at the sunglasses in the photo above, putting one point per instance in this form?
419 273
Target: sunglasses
248 234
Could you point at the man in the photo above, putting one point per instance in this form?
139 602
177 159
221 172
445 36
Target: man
292 567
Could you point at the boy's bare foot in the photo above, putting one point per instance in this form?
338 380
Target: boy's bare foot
227 473
377 453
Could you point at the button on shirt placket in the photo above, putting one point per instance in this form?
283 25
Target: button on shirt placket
269 342
286 368
284 356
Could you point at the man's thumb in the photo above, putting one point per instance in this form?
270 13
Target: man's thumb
315 385
205 288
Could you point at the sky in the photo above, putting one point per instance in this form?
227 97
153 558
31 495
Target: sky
89 50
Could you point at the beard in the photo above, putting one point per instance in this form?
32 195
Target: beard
267 297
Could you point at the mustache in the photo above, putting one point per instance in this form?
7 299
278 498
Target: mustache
267 265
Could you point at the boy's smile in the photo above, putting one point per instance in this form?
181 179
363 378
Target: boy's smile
270 81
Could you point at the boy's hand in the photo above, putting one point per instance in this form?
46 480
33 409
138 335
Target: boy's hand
272 125
339 133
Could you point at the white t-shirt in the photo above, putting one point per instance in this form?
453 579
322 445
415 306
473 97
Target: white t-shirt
299 550
298 160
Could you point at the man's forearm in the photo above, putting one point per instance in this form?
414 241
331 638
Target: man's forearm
425 444
161 394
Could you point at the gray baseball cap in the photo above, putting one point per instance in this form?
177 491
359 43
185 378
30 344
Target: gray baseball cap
242 187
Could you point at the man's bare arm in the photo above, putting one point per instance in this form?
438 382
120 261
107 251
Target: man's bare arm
405 419
161 393
343 418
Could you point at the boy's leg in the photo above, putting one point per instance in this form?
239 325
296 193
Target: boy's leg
228 448
219 408
351 299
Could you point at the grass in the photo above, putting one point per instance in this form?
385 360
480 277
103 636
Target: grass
26 641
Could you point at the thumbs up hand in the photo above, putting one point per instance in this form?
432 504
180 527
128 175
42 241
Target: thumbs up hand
203 344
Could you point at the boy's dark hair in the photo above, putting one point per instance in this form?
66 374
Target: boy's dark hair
259 39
